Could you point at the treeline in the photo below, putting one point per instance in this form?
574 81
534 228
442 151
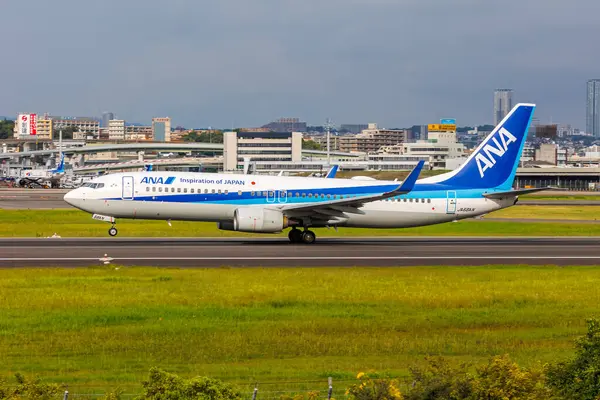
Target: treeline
6 129
499 379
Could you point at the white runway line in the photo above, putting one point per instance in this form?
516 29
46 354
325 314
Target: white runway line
310 258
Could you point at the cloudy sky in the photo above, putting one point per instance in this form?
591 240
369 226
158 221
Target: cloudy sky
226 63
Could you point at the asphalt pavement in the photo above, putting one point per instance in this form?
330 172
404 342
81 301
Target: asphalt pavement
276 252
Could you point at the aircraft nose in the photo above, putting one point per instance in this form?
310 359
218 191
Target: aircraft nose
73 197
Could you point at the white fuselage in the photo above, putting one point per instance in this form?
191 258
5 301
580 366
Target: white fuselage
215 197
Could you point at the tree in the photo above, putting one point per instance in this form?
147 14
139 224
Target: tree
67 132
6 129
579 378
503 379
310 145
374 389
162 385
33 389
204 137
438 380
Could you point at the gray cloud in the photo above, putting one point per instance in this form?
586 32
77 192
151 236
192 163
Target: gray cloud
241 62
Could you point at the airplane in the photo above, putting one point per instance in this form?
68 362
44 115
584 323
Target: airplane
270 204
42 177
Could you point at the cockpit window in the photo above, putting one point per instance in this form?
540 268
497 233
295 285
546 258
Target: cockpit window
93 185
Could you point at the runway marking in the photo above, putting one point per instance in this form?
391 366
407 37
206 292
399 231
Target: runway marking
309 258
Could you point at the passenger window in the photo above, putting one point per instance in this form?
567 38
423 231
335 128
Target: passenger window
410 200
205 191
429 200
272 194
147 188
192 190
303 194
310 195
184 190
239 192
154 188
160 188
172 190
422 200
252 193
219 191
264 194
226 191
328 196
178 190
213 191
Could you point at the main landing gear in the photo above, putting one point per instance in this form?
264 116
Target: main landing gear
298 236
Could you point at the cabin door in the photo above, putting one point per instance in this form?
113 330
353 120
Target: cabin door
127 193
451 202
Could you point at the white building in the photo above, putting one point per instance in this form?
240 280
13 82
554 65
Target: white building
440 146
271 147
116 129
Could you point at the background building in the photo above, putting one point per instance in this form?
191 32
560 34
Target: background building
107 116
136 132
353 128
44 128
593 108
286 125
370 140
87 127
503 103
116 129
161 129
260 146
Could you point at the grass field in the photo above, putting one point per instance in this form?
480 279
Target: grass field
99 328
550 212
74 223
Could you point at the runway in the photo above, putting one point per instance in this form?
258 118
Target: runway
275 252
38 199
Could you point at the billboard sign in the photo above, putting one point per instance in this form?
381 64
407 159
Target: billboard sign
448 121
441 128
26 124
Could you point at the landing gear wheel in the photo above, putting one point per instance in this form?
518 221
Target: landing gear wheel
308 237
295 236
113 231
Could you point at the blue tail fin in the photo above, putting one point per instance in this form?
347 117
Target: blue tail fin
494 163
61 165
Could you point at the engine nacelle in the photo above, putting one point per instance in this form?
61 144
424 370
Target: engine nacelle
255 219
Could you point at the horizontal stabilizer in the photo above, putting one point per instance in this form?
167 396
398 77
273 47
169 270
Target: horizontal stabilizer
516 192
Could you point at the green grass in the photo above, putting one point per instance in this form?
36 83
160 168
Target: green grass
99 328
549 211
542 196
74 223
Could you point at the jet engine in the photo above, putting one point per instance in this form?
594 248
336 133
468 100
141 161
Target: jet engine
255 219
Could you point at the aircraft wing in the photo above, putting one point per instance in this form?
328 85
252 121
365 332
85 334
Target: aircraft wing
332 209
516 192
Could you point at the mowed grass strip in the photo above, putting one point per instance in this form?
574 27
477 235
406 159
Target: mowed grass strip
74 223
99 328
590 213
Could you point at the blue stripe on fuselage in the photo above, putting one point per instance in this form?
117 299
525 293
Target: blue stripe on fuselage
421 191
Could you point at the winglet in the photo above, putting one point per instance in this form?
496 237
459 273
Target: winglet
332 172
411 179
